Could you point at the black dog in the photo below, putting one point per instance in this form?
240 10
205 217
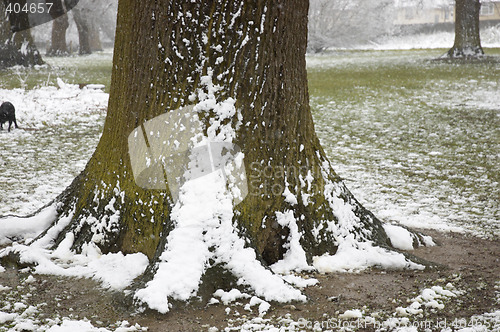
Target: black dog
7 113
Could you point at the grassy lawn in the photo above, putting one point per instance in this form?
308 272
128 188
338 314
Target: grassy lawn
90 69
410 133
417 140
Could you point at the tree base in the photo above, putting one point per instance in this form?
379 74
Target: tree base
11 56
471 52
202 255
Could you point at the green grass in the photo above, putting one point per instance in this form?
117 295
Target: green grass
89 69
412 133
407 132
352 71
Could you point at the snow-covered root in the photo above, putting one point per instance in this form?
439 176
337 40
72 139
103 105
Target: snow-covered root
15 228
113 270
205 236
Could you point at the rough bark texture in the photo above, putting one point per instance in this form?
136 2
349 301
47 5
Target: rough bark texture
16 48
467 39
255 51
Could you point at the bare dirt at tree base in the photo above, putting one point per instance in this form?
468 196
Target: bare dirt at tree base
470 264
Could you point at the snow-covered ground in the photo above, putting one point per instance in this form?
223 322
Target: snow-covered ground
62 127
490 37
425 156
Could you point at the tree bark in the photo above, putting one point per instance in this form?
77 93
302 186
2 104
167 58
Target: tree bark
58 44
82 25
94 37
254 54
60 25
16 48
467 39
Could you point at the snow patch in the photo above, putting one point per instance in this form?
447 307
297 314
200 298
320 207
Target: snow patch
231 296
362 256
433 297
85 326
400 237
295 256
14 228
348 314
113 270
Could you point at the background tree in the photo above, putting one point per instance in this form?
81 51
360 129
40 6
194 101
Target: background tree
467 38
102 20
344 23
60 24
16 48
107 17
92 17
82 20
240 67
94 36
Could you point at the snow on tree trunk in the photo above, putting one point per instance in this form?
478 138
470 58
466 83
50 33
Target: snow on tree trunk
467 40
209 163
16 48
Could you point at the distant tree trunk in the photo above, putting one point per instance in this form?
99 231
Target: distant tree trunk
248 58
82 25
58 44
16 48
60 24
94 37
467 39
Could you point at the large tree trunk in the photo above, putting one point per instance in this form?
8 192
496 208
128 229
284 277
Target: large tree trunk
242 66
16 48
467 39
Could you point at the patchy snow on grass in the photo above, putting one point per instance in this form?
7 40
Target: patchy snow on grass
59 129
57 106
419 152
444 39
